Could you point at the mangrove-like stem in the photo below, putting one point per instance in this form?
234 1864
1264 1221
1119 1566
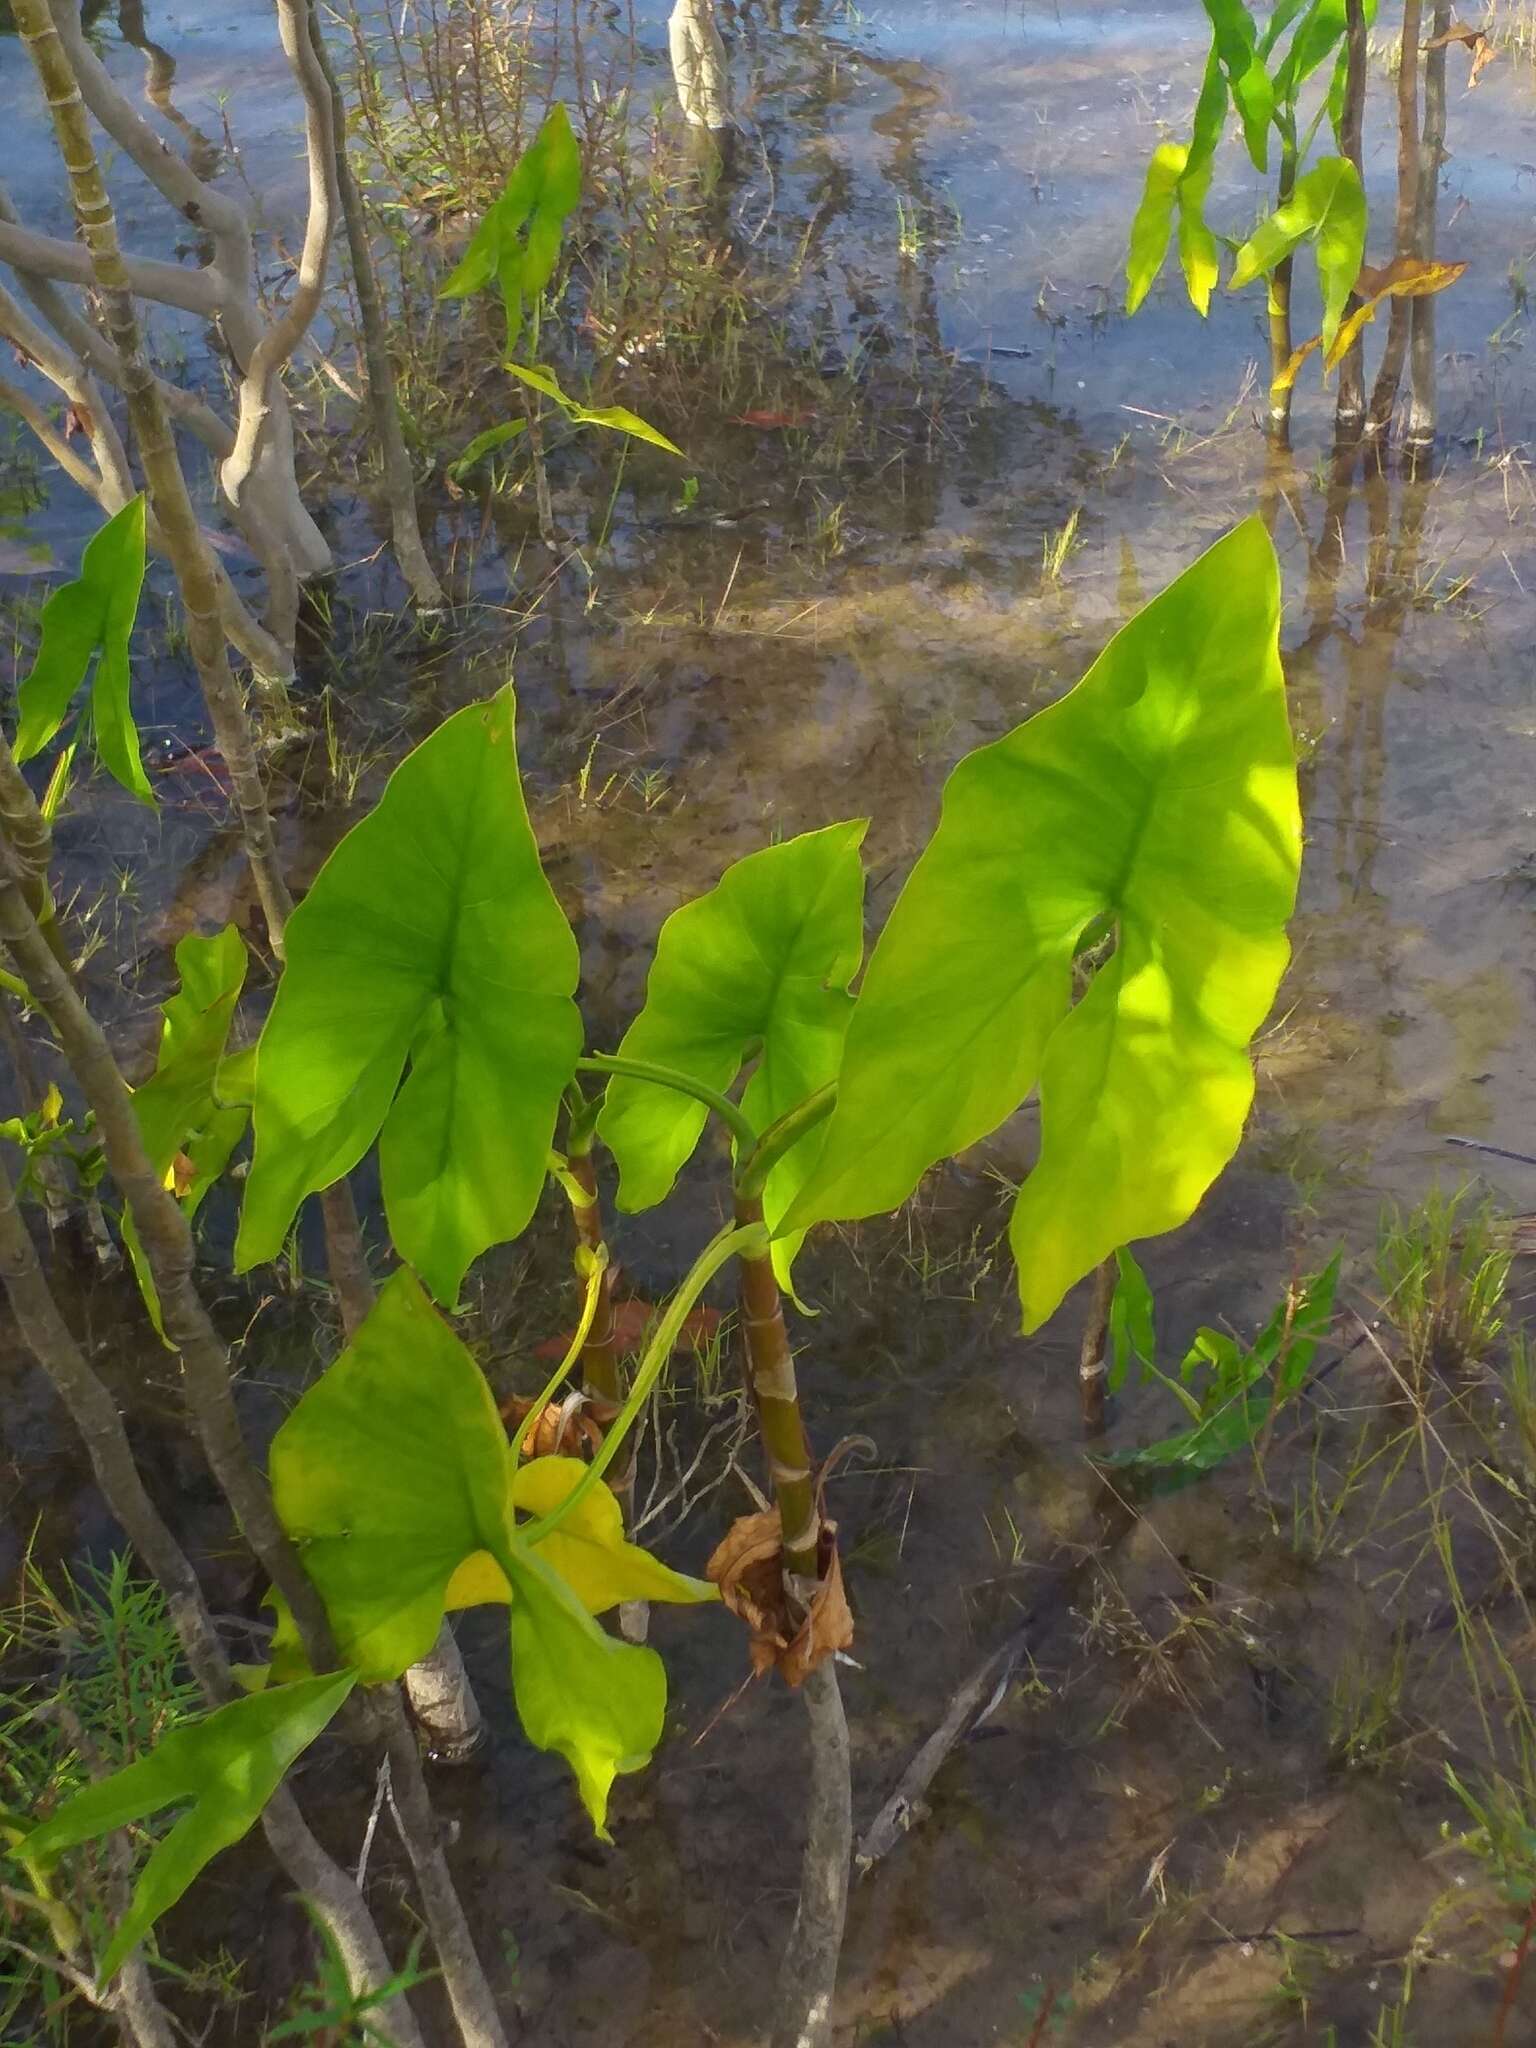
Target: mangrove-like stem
190 554
383 405
1419 435
1349 410
94 1413
771 1368
808 1972
1389 375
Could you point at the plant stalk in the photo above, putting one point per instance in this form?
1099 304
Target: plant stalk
1389 375
1419 436
1092 1364
167 1241
94 1413
1278 418
1349 411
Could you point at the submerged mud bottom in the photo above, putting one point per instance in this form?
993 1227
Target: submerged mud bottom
1212 1802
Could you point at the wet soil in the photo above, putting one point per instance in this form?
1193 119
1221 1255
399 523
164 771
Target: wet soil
1211 1808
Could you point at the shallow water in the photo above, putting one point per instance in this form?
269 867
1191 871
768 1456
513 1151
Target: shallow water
1140 1826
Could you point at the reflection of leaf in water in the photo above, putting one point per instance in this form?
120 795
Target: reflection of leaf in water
1483 1013
25 558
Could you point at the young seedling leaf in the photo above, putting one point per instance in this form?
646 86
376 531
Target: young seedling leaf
223 1768
1328 208
1161 790
618 417
1132 1320
430 937
92 617
483 444
393 1476
517 245
763 960
1243 1389
1198 253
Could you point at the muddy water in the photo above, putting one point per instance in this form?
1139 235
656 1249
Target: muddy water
1156 1821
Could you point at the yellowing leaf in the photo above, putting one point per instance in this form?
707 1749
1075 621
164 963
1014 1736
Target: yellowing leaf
1405 277
588 1549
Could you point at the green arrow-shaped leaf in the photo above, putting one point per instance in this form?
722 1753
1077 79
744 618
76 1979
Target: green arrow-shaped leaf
1328 208
1160 793
225 1768
92 616
431 937
763 961
518 243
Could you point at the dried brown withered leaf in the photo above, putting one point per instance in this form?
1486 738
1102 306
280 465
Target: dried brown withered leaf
1483 52
557 1431
748 1567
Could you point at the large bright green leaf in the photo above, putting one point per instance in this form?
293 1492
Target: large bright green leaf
1160 794
429 936
617 417
518 243
761 963
224 1768
1236 49
92 616
1328 207
1152 223
393 1476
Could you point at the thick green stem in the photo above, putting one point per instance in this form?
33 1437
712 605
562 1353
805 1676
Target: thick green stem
782 1136
1389 376
740 1126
